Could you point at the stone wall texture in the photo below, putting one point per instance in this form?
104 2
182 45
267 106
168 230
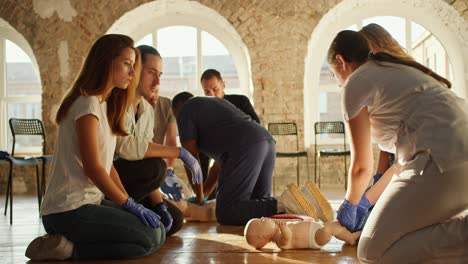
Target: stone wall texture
276 33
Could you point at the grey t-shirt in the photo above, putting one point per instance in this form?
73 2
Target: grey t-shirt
218 126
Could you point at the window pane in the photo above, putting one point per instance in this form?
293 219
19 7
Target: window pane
394 25
428 50
216 56
178 48
24 110
330 109
329 97
353 27
22 78
146 40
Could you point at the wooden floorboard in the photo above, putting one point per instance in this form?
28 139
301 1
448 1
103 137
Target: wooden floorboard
196 243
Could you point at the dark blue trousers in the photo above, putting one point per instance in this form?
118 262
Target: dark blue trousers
244 184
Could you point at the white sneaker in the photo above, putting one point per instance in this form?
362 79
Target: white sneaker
295 203
313 194
50 247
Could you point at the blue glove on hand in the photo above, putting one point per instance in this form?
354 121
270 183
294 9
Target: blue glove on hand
347 215
192 164
193 200
362 213
171 186
377 178
146 216
166 218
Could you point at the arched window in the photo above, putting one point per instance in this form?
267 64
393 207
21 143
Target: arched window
188 51
20 88
418 42
433 33
191 37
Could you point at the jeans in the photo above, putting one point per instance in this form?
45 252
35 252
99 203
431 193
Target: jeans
105 231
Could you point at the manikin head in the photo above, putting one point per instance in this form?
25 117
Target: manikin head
259 232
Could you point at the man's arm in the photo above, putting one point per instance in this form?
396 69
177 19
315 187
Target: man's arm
134 146
248 109
192 147
171 140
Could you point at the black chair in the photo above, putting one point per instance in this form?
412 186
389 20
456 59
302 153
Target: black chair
289 129
25 127
331 127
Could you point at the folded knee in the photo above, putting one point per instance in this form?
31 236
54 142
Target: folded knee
367 251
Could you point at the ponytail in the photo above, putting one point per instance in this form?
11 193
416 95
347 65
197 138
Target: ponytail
385 57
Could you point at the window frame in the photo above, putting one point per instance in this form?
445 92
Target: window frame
325 32
164 13
8 33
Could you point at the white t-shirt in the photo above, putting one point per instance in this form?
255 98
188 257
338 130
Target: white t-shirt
68 187
409 112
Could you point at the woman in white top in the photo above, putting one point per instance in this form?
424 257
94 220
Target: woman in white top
80 222
407 110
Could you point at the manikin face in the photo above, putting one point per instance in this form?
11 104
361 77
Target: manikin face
213 87
122 68
151 72
260 231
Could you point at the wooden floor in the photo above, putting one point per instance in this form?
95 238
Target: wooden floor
195 243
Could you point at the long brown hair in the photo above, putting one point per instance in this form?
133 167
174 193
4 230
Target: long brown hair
380 38
95 79
354 48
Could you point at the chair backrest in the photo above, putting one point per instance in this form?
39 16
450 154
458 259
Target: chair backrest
27 127
330 127
284 129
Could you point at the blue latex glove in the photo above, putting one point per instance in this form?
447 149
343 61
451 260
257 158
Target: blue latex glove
192 164
146 216
362 213
347 215
166 218
193 200
377 178
171 186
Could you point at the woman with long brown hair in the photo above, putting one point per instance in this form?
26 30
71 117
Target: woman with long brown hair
86 211
406 110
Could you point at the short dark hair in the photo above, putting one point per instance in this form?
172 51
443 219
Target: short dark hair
180 99
145 49
210 73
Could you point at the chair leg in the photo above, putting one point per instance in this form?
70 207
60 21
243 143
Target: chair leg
318 170
315 167
8 187
274 183
38 184
43 177
297 170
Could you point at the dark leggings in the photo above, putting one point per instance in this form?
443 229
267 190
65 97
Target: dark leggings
105 231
